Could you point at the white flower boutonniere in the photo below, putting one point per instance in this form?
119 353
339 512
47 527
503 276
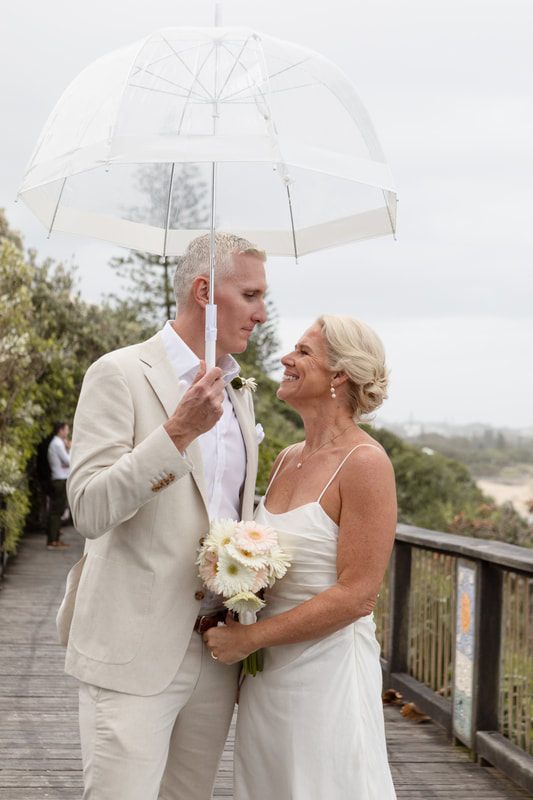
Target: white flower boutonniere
244 383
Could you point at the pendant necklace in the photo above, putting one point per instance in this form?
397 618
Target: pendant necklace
329 441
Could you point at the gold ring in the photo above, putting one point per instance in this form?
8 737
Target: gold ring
214 656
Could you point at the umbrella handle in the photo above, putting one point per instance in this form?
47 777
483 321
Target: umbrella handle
210 335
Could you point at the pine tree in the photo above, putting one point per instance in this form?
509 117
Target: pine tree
149 277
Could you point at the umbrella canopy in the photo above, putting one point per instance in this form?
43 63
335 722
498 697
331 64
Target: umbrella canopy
128 153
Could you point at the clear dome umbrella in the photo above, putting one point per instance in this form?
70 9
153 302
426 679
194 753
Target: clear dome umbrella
193 130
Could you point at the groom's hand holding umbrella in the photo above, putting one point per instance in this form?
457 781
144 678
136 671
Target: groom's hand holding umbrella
199 409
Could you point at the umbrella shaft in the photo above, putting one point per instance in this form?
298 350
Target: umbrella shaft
210 335
212 247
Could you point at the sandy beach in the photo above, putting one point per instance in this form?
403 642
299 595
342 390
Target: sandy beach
516 493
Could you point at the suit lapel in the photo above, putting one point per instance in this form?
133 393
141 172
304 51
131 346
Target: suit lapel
160 374
169 389
243 407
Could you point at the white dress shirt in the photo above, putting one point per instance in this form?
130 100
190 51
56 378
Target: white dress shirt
222 447
58 459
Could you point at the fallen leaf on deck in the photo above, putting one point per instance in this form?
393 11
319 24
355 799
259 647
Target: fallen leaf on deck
392 698
411 712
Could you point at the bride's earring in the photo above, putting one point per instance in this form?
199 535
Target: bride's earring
332 390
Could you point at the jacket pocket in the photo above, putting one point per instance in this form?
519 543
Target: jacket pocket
66 609
111 610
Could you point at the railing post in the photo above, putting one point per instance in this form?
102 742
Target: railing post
477 650
399 595
488 639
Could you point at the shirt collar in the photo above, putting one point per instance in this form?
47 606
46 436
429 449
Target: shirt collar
186 363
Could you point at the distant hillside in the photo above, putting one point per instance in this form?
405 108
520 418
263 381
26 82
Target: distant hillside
487 452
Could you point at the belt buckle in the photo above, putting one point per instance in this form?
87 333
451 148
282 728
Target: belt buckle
199 629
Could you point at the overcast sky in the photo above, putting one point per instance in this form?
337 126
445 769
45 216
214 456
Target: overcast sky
449 86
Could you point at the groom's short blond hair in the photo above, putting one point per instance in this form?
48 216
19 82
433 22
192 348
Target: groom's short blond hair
195 261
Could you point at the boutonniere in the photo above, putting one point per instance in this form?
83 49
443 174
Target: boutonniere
244 383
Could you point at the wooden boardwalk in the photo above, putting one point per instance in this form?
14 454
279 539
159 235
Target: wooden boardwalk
39 742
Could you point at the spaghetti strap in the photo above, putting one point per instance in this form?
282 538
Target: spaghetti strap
328 484
278 468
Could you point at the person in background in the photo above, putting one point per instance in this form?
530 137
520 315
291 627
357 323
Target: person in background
59 462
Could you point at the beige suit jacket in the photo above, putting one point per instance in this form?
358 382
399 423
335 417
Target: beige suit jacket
131 602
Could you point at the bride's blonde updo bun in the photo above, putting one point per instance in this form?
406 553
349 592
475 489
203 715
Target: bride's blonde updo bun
354 348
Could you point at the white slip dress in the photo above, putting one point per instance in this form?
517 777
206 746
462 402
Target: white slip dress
310 726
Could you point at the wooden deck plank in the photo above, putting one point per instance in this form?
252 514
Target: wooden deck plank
39 740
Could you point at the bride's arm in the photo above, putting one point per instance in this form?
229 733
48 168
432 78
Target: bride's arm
367 526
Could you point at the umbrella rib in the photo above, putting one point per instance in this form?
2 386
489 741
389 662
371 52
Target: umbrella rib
235 63
186 93
387 206
230 97
169 202
276 74
288 67
194 76
180 87
234 98
292 224
56 208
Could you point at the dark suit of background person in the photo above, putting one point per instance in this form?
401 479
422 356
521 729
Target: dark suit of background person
59 462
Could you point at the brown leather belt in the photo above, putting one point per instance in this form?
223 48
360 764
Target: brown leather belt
203 623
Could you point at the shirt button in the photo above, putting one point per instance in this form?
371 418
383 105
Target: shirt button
199 595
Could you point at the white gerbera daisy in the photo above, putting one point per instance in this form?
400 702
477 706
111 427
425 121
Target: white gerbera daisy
261 579
278 564
232 576
243 602
252 560
255 538
221 533
208 569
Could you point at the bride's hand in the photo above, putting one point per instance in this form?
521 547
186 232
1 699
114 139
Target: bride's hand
229 643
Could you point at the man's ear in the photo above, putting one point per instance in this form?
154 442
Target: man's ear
200 290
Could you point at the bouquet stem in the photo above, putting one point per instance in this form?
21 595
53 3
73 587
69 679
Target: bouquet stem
253 663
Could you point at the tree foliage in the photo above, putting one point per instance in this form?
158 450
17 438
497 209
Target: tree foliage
48 338
488 454
263 344
149 278
439 493
492 521
23 360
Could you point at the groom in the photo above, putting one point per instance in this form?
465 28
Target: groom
160 447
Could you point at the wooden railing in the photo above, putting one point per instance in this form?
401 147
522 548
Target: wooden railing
455 618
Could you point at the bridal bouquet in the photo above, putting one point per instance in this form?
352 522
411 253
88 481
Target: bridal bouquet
237 560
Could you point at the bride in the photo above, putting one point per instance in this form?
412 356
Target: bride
310 726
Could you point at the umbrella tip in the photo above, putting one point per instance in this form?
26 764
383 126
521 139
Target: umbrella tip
218 13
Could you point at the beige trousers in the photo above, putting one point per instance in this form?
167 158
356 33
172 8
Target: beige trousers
163 747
